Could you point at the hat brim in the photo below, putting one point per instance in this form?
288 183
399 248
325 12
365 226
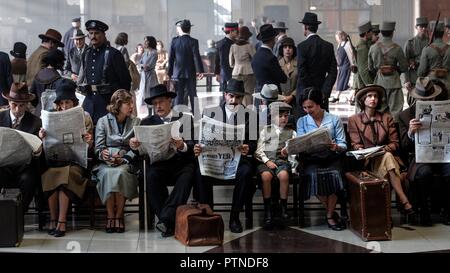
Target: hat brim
168 95
17 55
57 100
58 43
310 23
266 38
5 95
437 91
370 88
78 37
258 96
239 93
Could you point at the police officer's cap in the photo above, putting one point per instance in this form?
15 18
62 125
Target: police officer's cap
96 25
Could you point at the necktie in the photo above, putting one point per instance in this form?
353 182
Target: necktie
231 120
15 123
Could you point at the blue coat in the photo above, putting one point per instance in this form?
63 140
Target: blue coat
267 69
222 59
184 58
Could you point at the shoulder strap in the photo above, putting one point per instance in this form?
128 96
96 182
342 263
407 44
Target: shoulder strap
105 65
441 51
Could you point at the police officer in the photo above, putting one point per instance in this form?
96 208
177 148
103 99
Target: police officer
413 50
103 71
387 61
435 59
223 70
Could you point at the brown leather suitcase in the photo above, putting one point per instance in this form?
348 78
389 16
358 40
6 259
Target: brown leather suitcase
370 206
198 225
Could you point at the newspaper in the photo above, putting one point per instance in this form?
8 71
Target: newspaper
17 147
155 140
48 98
367 153
64 142
433 139
220 154
310 142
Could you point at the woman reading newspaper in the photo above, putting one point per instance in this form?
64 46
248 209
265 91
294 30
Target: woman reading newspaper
323 166
372 128
66 181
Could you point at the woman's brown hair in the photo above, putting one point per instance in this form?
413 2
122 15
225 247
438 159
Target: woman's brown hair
119 97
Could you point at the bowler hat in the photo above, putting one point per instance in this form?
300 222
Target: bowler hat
19 50
425 89
365 27
184 23
280 25
266 33
97 25
18 92
157 91
235 87
269 92
78 35
53 35
361 93
310 19
66 91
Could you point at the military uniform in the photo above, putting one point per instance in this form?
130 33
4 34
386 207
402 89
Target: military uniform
436 57
363 77
388 57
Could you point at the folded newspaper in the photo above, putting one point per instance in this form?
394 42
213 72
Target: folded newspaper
310 142
17 147
367 153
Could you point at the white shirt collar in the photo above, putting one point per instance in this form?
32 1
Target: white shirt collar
311 34
264 46
167 118
13 118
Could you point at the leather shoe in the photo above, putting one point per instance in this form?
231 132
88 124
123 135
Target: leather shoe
161 226
235 226
336 227
168 233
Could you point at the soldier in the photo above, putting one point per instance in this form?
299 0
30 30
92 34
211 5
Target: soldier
387 61
363 77
223 70
376 33
103 71
413 49
435 59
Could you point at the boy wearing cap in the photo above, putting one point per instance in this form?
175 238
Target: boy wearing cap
387 61
272 154
223 69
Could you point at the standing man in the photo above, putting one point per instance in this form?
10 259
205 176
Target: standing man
387 61
50 40
413 50
363 77
185 64
26 177
69 43
103 71
6 78
75 55
376 33
223 70
281 28
317 65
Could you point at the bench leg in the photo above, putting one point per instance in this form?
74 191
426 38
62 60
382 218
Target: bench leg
301 211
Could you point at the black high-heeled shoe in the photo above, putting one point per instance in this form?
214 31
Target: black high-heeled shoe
405 211
121 223
336 227
110 225
58 231
51 231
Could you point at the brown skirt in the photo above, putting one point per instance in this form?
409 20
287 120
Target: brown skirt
69 177
381 165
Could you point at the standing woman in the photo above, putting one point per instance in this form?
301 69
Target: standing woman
137 56
287 56
344 61
148 73
65 182
372 128
240 58
323 168
121 42
115 175
161 64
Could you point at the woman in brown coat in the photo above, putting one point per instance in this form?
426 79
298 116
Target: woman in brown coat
372 128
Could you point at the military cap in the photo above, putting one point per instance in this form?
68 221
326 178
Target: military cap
376 28
77 19
387 26
421 21
440 26
230 26
365 27
184 23
97 25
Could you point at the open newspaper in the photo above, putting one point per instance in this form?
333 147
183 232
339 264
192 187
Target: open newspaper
432 141
155 140
48 98
17 147
310 142
64 142
367 153
220 154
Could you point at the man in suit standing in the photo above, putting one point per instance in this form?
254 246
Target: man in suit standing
6 78
316 62
232 111
265 65
26 177
178 171
69 43
185 64
223 70
75 55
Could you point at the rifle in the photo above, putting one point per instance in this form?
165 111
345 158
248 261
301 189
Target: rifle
434 29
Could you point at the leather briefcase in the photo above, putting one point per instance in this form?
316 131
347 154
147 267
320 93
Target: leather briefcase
11 213
198 225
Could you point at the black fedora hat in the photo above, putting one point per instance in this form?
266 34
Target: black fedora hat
184 23
235 87
157 91
310 19
19 50
266 33
97 25
66 91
